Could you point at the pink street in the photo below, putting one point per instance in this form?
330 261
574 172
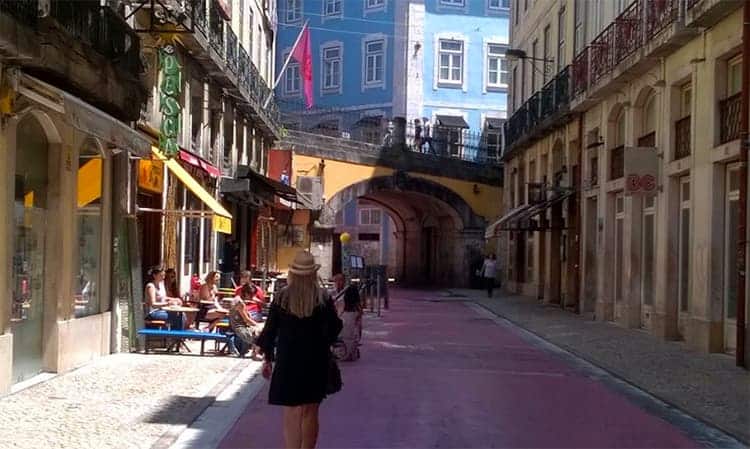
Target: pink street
442 374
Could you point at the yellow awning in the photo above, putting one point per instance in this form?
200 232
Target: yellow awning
222 219
90 182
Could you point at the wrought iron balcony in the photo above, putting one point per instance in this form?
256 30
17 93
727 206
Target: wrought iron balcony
730 118
102 29
682 138
540 111
633 29
25 11
232 51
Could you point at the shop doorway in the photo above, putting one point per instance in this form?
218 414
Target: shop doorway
29 248
731 241
149 233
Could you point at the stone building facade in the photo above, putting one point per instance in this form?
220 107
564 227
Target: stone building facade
648 125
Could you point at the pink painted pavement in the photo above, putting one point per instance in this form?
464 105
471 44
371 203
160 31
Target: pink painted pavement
439 374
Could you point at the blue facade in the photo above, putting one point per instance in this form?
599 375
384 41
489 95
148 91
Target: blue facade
442 58
347 40
461 57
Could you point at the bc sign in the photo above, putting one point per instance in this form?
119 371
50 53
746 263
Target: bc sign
641 171
169 102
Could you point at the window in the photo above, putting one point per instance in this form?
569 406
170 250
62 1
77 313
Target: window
579 36
619 237
523 81
374 4
731 241
331 8
497 66
534 46
494 5
515 90
545 53
293 10
734 76
375 63
292 78
684 245
452 2
451 61
561 39
516 11
686 99
369 216
89 216
332 68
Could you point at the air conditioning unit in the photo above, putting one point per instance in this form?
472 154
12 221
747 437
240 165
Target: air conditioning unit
310 191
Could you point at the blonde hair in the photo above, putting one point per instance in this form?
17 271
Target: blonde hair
303 294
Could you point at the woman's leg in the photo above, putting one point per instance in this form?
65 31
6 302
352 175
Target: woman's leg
310 425
293 427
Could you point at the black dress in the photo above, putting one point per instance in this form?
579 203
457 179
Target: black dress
300 349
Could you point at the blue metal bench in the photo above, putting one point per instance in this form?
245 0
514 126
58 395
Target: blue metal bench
180 336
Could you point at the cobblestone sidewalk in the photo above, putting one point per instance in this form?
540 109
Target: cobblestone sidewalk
119 401
707 386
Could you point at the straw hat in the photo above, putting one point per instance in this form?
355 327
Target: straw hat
304 264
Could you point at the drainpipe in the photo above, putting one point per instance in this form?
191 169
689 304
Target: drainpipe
578 195
742 221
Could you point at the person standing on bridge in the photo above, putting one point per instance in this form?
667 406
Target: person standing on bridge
301 327
488 270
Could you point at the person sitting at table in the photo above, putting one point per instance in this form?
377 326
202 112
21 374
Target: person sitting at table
156 299
209 297
243 326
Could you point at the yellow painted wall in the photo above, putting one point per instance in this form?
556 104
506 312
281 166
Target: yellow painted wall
339 174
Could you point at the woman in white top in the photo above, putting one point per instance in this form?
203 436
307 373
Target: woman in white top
156 298
489 268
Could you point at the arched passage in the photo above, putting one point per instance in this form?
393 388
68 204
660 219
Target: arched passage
437 235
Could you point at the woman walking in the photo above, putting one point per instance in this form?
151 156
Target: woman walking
301 327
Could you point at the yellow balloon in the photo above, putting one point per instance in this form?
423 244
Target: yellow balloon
345 237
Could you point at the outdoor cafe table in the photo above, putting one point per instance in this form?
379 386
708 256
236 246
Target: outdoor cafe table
180 309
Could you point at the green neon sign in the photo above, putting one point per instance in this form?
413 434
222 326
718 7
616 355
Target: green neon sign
169 101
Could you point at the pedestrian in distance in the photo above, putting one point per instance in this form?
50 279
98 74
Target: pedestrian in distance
296 340
417 135
243 326
488 270
349 306
427 136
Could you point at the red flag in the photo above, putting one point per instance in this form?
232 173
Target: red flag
303 55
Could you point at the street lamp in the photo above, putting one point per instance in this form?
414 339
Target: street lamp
515 54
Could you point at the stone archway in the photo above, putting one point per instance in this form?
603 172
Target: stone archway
438 233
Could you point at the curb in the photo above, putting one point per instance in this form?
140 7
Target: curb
727 437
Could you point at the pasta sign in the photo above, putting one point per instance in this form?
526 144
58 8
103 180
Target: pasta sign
169 102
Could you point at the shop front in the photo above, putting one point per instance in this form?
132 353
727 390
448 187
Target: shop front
57 155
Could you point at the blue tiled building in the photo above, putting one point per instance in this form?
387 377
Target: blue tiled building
442 60
454 72
352 48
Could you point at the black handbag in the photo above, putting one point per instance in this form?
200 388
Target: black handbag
334 382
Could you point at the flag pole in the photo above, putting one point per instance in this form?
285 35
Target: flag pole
286 63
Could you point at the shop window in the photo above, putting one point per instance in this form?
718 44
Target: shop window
684 245
87 281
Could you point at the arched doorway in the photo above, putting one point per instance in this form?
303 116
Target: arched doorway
31 215
437 234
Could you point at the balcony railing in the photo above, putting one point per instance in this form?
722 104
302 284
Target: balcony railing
659 15
682 138
617 163
631 30
580 69
102 29
602 53
730 118
232 49
628 30
216 30
553 99
26 11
